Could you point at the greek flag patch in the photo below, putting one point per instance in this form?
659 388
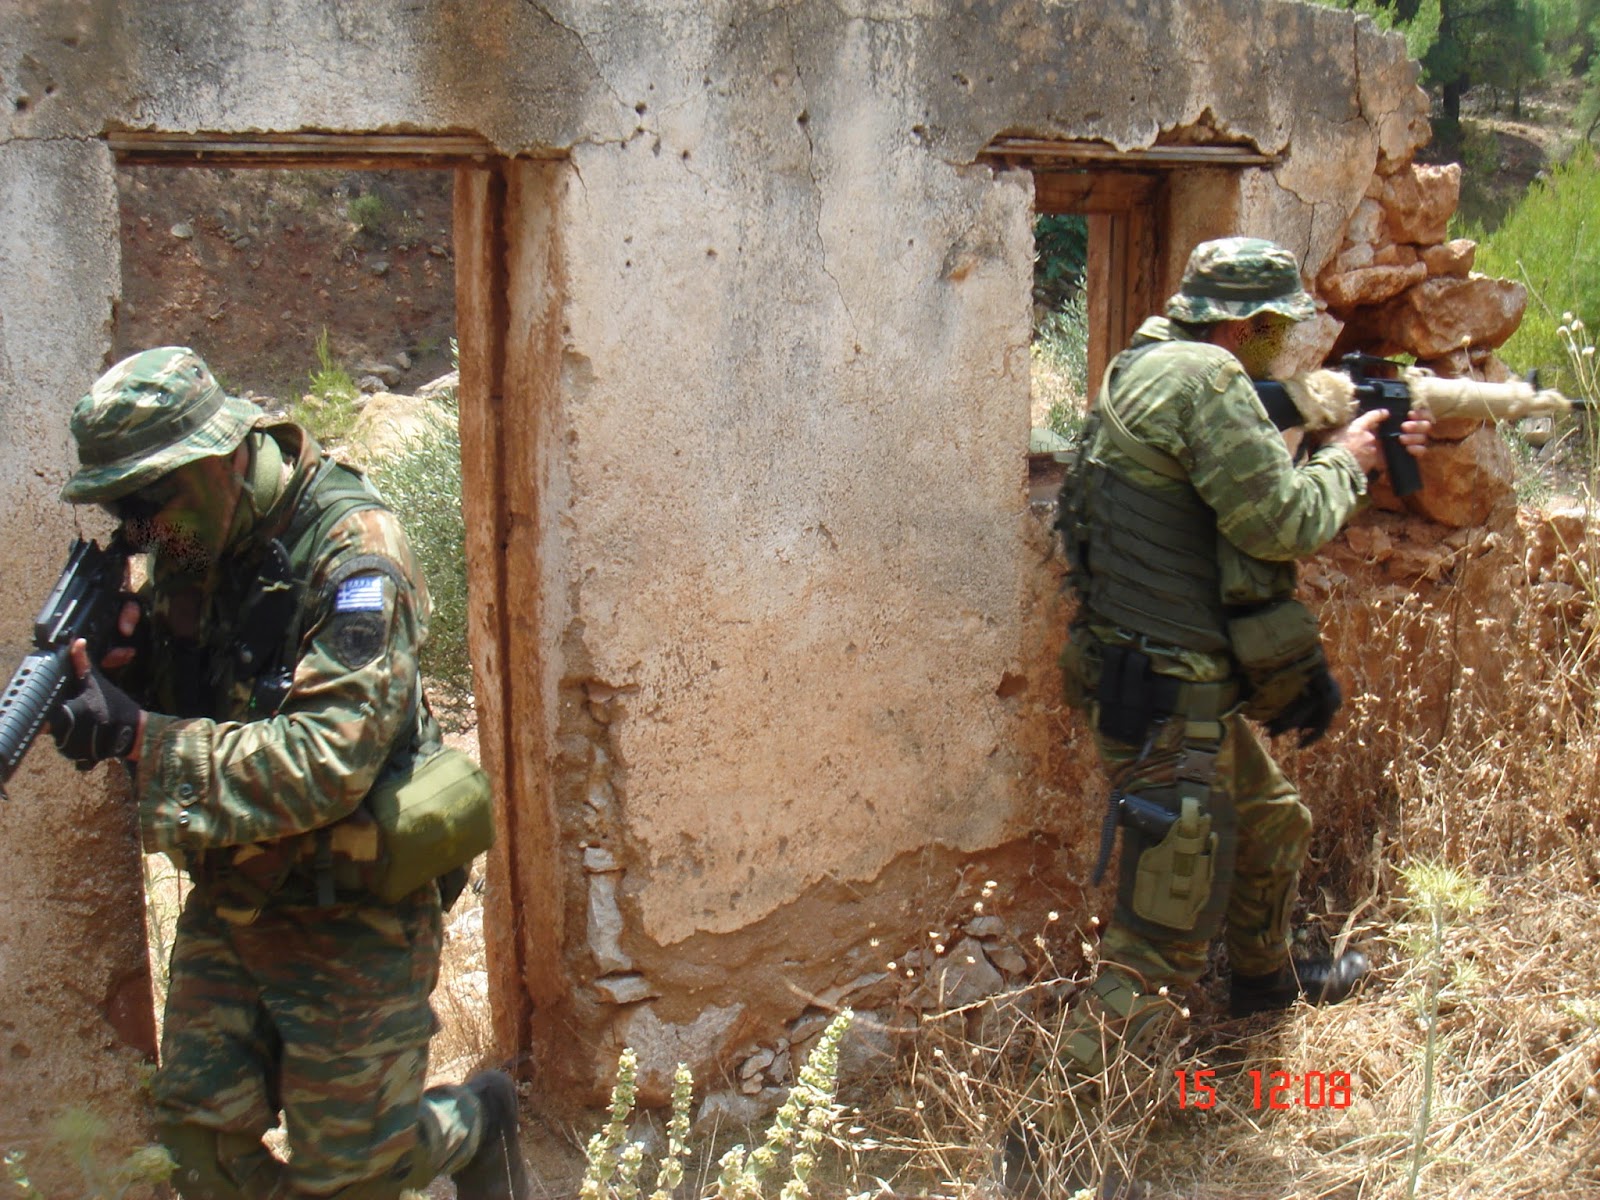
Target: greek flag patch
364 593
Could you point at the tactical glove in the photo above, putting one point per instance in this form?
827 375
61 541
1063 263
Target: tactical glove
1312 711
98 723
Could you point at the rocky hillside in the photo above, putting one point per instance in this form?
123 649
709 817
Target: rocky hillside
251 266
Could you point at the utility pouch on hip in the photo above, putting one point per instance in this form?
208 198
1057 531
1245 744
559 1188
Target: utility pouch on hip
1277 646
435 814
1172 884
1130 695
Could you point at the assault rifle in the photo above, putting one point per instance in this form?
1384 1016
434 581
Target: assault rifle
84 604
1363 382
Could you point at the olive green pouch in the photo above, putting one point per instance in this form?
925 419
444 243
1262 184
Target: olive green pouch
1172 883
1277 646
435 814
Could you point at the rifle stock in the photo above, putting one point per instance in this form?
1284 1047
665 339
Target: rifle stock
83 604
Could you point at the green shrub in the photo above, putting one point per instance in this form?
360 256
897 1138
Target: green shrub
328 410
1061 255
1551 242
1060 362
422 482
367 213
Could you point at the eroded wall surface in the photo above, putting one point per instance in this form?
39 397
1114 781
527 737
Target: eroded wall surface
795 624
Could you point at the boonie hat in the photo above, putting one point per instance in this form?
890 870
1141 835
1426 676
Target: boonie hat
149 415
1233 279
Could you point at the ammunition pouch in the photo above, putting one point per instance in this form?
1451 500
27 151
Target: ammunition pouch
427 817
1278 648
1130 696
434 814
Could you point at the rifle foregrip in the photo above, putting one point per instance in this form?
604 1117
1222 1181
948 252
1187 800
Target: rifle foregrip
27 701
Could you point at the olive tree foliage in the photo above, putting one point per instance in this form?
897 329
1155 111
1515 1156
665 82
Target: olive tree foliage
1505 46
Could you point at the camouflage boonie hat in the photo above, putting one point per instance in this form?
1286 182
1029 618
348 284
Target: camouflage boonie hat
1233 279
149 415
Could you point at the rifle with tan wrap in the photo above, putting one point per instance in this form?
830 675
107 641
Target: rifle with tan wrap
1333 396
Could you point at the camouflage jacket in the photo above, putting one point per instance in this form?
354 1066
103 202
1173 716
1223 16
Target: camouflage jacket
213 774
1192 402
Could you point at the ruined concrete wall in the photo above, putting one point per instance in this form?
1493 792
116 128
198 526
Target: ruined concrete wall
796 620
75 1023
804 698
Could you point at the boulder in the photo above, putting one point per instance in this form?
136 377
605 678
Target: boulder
963 976
624 989
1464 482
1308 344
662 1044
1419 200
1453 258
1368 286
1440 315
605 926
1362 236
387 422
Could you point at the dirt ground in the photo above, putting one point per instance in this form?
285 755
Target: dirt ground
250 267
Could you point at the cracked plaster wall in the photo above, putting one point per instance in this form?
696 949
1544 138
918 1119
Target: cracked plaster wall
788 554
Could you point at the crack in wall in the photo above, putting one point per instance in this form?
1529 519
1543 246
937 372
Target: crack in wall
804 121
582 38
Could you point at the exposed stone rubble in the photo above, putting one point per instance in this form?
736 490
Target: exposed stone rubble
1400 286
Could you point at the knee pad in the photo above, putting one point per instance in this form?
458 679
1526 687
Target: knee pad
1113 1017
217 1165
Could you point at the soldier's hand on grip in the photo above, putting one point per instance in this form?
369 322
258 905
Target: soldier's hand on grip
101 721
1312 711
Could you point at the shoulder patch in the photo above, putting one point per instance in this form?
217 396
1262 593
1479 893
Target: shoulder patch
355 639
363 593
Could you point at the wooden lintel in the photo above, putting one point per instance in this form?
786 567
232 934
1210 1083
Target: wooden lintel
1092 191
1042 154
139 147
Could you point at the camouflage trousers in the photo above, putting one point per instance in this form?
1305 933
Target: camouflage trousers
1254 885
322 1014
1263 834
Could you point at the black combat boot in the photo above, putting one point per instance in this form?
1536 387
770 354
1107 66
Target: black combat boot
496 1171
1316 981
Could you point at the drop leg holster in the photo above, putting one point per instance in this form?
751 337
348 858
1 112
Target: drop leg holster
1179 835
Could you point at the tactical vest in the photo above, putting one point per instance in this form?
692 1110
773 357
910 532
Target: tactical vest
1143 558
1148 559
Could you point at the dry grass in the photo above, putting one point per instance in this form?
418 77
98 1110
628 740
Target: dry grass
1492 773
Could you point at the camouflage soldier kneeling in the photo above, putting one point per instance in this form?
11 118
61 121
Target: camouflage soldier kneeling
257 687
1181 519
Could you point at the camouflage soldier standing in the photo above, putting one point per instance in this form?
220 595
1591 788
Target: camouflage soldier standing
1182 521
260 684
